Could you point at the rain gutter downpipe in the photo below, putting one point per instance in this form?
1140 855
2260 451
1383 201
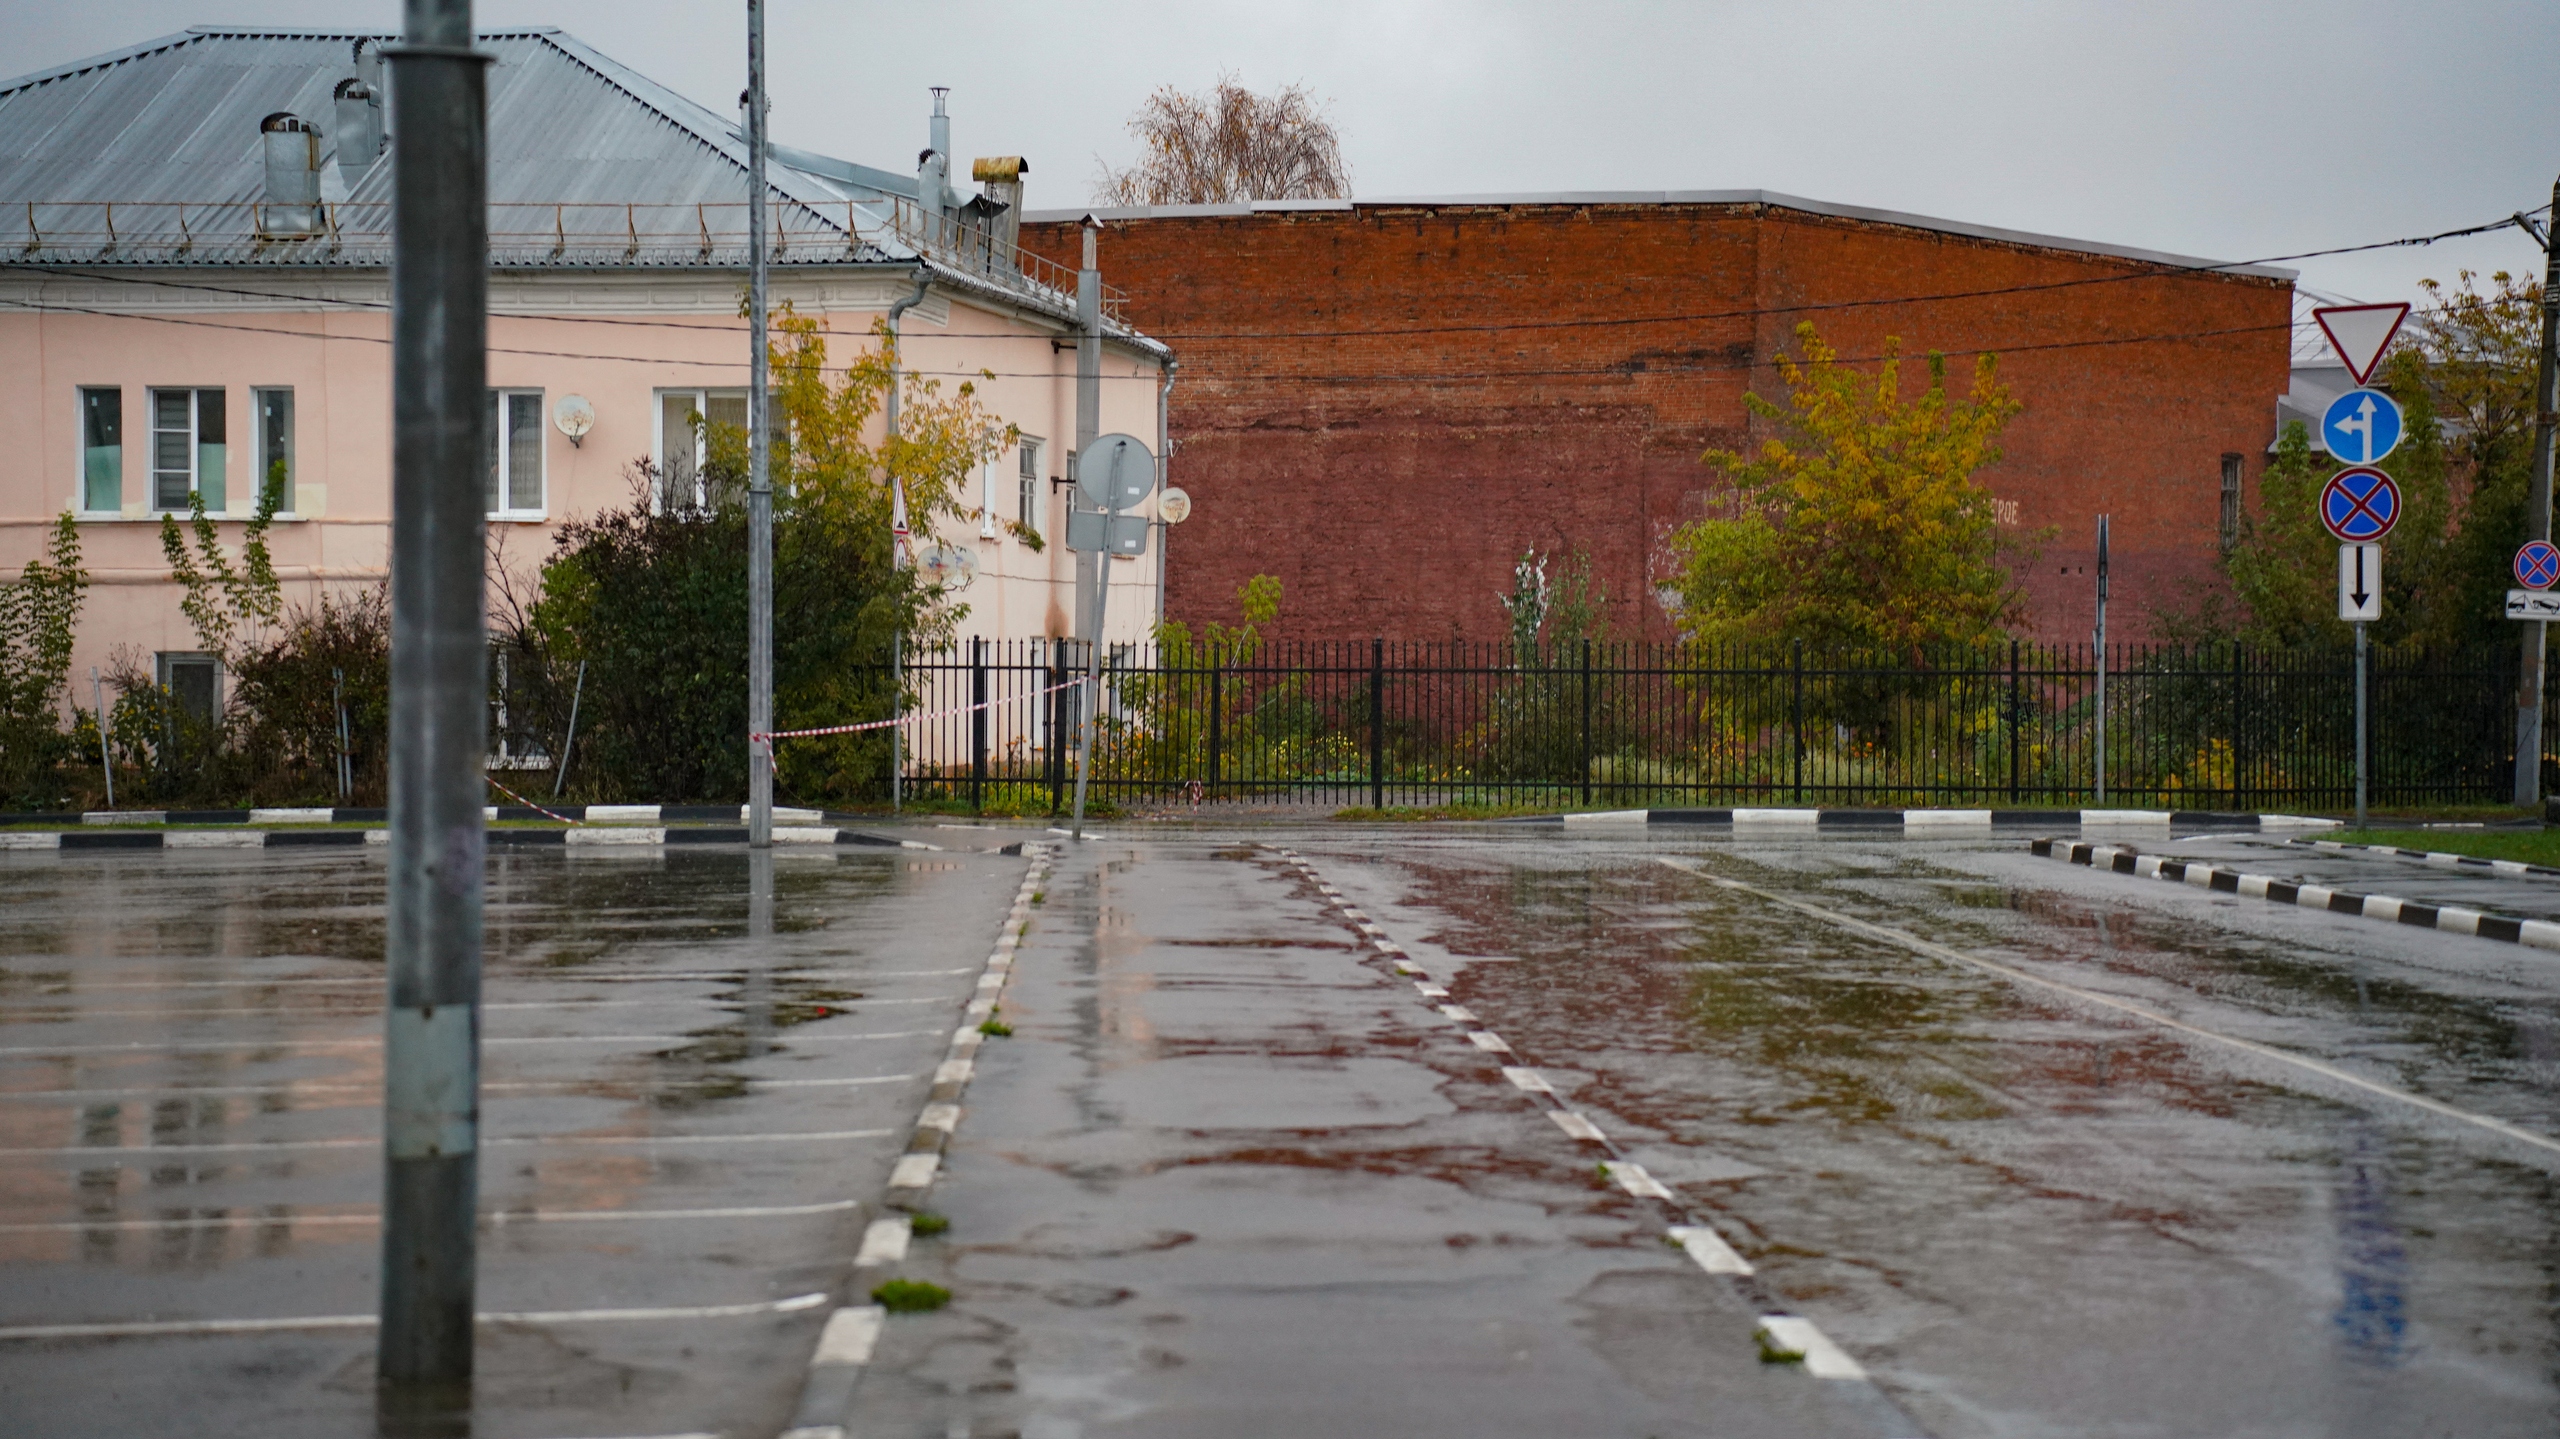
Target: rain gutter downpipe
898 641
1164 481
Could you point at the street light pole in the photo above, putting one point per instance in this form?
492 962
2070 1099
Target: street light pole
439 697
759 464
2537 520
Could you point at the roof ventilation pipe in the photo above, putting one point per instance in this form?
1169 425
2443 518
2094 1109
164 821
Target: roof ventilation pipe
360 138
368 56
292 146
933 176
1001 177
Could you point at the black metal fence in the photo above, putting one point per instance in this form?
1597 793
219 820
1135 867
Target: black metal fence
1624 725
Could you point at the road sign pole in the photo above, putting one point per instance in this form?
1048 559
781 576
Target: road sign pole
759 463
2099 639
1102 560
2361 757
2537 523
439 710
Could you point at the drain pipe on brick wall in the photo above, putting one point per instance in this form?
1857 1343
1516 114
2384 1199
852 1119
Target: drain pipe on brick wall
1164 481
898 641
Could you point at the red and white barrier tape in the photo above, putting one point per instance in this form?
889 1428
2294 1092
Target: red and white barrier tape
528 804
905 719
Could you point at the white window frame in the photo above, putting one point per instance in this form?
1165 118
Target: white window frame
506 509
701 396
194 432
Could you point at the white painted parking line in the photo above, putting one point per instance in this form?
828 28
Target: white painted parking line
189 1328
1709 1249
1785 1336
2148 1015
1578 1127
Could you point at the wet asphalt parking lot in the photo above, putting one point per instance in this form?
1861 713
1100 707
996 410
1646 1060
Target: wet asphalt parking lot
2036 1150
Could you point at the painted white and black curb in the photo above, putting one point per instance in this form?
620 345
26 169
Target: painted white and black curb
2535 933
2437 858
1929 821
1781 1336
614 837
853 1330
583 813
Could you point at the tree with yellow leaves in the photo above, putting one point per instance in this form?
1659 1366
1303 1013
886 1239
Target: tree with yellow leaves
1860 525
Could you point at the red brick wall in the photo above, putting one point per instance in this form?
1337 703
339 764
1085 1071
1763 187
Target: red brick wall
1391 479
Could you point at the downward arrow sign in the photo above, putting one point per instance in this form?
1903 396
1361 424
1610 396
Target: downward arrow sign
2360 592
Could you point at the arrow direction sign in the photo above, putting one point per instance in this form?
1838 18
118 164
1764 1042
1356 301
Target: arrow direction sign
2359 505
2361 426
2359 583
2360 333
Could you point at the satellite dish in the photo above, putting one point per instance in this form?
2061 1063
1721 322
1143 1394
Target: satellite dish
575 417
947 567
1111 456
1175 507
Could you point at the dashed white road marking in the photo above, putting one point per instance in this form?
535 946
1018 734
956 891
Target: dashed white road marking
1489 1042
156 1328
885 1242
2107 1001
1528 1079
1576 1126
1709 1249
1458 1012
1633 1179
1786 1335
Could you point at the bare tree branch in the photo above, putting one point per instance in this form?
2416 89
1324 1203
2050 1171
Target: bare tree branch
1226 145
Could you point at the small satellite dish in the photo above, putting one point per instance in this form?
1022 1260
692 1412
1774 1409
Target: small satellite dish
1120 459
947 567
1175 506
575 417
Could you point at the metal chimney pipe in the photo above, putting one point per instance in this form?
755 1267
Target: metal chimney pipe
1000 176
439 711
291 147
359 129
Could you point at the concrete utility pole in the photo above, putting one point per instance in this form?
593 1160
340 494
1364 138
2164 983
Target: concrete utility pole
759 464
1092 567
2537 521
439 703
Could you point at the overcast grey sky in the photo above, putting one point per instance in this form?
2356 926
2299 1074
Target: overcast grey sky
2234 130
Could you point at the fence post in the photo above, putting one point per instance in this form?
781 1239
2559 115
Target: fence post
1056 699
978 723
1799 721
1586 719
2239 712
1377 723
2014 725
1217 719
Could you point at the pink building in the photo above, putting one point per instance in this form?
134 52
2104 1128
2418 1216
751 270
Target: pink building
194 292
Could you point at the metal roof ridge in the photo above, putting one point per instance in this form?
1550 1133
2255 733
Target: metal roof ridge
101 60
1771 198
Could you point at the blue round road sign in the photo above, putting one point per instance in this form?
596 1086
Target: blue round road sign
2538 565
2360 505
2360 427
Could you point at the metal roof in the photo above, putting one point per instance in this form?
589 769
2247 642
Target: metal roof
151 155
1769 198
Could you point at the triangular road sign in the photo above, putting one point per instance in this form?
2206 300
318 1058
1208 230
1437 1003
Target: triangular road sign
2360 333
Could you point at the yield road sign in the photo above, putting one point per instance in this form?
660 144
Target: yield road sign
2359 582
2361 427
2360 333
2533 605
2538 565
2359 505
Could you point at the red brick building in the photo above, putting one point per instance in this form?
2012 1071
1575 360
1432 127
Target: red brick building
1384 402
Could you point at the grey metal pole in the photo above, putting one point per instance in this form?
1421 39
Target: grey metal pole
1093 647
439 702
2100 639
2361 753
898 640
759 464
2537 522
569 739
106 756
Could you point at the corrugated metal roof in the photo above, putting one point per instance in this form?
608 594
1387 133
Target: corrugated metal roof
1769 198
